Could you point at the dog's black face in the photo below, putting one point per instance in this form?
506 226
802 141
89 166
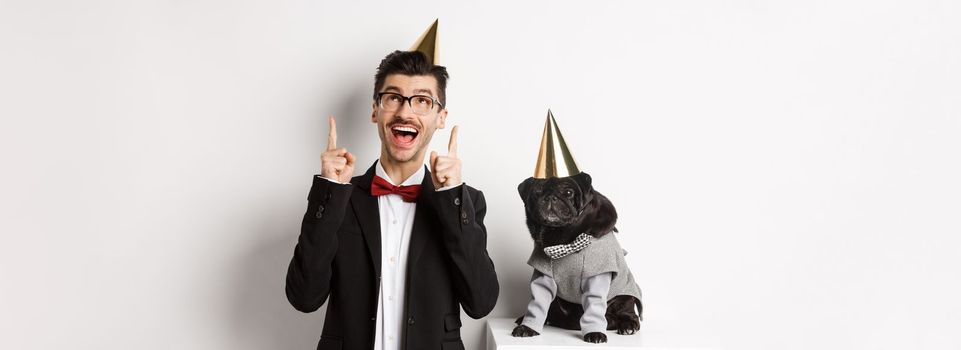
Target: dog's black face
555 202
559 209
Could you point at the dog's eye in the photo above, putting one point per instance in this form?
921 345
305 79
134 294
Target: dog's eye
569 193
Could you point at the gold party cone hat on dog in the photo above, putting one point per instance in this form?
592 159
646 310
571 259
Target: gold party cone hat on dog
427 43
554 159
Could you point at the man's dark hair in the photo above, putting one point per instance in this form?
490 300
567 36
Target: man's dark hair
411 63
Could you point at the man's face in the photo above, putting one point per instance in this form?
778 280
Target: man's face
404 135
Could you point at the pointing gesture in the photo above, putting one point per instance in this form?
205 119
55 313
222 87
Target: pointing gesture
445 170
332 135
452 144
336 163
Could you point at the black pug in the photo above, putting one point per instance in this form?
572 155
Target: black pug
581 280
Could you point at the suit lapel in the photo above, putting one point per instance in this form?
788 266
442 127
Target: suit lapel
368 215
422 219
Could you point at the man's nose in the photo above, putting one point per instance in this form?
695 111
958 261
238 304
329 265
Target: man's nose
406 111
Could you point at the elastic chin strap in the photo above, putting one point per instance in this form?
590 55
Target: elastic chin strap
581 211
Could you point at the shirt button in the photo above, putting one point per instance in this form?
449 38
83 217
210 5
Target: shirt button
390 297
463 214
410 321
457 201
393 259
391 338
394 222
465 222
319 214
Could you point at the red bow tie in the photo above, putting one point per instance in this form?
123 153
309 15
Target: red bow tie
381 187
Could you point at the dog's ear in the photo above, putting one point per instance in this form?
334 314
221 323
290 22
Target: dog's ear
600 215
583 180
525 187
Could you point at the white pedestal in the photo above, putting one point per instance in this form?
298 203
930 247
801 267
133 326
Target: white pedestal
649 337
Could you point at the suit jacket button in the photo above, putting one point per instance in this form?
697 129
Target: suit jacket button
457 201
373 318
410 321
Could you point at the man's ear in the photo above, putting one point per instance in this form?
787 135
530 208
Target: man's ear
525 187
442 118
373 112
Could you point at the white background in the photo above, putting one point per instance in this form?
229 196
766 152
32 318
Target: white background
786 172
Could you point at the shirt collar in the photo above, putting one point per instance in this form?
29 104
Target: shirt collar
415 179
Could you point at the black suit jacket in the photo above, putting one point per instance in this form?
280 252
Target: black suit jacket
338 257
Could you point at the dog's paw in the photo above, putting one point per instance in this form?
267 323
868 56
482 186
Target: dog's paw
627 325
595 337
524 331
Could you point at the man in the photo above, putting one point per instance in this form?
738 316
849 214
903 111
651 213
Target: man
396 261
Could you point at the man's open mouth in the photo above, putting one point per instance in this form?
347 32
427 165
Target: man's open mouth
404 135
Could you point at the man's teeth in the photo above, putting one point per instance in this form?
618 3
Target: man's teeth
405 129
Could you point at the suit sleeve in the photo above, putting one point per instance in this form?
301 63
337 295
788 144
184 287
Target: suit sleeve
309 273
462 224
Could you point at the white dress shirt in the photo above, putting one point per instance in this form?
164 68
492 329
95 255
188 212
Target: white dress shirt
396 223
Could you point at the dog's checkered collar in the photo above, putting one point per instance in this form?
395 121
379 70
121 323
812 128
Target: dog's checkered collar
561 250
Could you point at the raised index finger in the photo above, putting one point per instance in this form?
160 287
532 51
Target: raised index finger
332 137
452 146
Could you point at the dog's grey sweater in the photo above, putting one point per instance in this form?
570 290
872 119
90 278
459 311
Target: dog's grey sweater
582 278
602 255
543 291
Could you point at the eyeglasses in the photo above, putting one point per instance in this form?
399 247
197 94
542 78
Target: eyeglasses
419 104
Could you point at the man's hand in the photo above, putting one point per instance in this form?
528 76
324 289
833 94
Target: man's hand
336 163
445 170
